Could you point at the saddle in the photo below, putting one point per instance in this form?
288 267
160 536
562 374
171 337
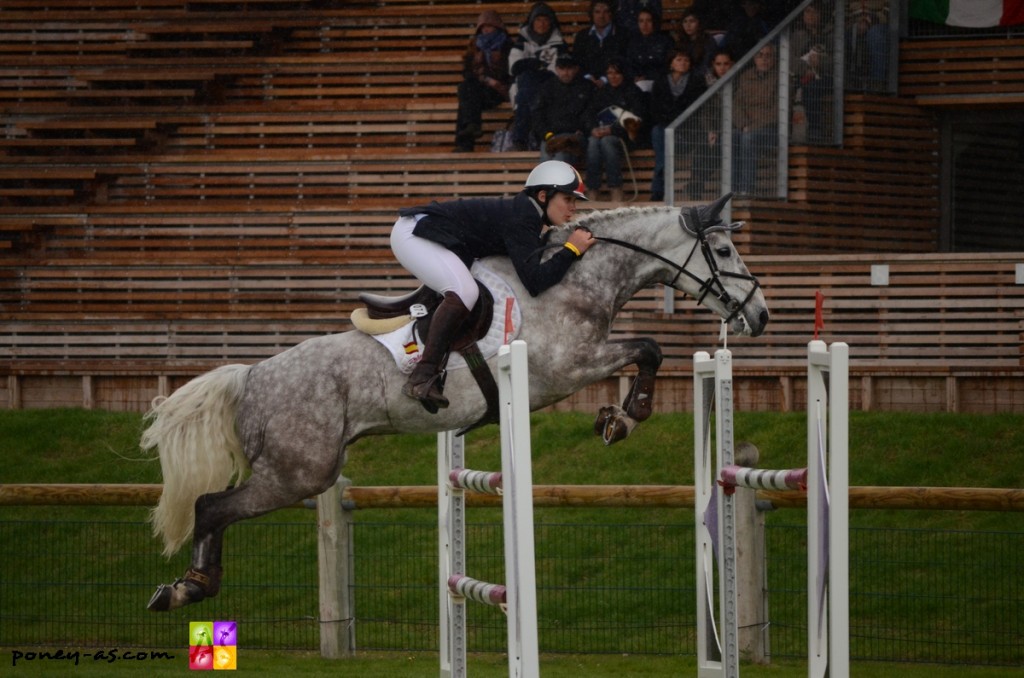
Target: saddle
384 314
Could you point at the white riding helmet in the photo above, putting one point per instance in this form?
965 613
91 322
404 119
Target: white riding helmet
555 175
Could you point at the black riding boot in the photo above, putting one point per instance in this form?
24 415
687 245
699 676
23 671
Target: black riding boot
426 381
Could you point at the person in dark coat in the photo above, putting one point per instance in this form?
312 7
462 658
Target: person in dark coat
748 27
485 78
716 15
611 136
672 94
628 11
700 45
602 40
559 114
649 49
438 243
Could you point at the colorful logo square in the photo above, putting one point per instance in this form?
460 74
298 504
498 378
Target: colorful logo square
213 646
225 658
225 633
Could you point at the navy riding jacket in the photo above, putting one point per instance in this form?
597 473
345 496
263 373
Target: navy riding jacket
483 227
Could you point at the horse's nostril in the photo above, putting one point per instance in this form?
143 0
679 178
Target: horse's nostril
763 317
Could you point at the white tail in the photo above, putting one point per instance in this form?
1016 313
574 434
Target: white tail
194 432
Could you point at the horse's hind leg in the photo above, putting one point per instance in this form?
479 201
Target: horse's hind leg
214 513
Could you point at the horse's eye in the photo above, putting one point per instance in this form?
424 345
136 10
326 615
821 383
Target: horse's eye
724 252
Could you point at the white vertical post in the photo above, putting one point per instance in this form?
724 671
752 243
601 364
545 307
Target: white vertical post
839 512
827 514
827 511
717 650
517 505
451 530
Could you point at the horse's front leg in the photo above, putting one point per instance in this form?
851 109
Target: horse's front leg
615 423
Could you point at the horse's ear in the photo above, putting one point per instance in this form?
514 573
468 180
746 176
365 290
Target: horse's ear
693 220
709 214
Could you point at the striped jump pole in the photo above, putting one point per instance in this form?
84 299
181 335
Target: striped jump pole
826 480
518 595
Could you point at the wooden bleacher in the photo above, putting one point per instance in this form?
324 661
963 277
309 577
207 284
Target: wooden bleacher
175 195
963 73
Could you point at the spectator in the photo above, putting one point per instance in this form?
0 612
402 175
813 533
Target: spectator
485 78
610 139
531 62
716 15
811 68
755 117
708 157
697 42
628 11
747 28
602 40
672 94
559 115
649 50
867 52
720 65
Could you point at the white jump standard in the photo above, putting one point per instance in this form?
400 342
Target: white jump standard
518 596
826 480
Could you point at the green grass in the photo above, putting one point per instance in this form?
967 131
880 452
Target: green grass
418 665
50 446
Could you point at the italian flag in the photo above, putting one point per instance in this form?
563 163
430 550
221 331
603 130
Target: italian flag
969 13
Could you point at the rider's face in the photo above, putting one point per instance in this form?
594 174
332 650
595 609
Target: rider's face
561 208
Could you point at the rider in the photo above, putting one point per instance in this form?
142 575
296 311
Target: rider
438 243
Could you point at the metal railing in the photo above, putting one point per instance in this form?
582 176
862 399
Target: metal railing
788 90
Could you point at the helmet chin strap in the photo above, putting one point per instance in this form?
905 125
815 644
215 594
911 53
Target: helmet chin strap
543 205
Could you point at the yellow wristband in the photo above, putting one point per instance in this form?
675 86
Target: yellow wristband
548 135
572 248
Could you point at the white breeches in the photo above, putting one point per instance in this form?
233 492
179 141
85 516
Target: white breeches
435 266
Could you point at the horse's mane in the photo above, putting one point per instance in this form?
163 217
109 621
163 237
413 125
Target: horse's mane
598 218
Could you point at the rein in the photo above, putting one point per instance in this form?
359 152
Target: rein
712 285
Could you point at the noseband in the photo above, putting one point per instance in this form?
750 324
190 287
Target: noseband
712 285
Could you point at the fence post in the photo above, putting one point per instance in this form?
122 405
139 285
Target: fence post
337 622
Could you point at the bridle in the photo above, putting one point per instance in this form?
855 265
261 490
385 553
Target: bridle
713 285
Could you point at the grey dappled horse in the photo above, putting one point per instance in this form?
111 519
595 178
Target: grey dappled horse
287 420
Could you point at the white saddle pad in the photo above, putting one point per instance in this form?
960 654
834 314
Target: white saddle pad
406 349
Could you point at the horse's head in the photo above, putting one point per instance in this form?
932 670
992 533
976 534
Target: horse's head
713 272
698 257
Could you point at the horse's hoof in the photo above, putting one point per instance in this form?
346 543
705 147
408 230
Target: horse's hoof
172 596
161 600
603 415
616 429
613 424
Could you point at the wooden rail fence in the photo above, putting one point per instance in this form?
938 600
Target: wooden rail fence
611 496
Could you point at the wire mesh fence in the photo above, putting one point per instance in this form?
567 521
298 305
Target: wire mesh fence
916 595
787 91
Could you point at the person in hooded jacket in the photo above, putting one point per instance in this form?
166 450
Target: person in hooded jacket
485 78
531 62
438 243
